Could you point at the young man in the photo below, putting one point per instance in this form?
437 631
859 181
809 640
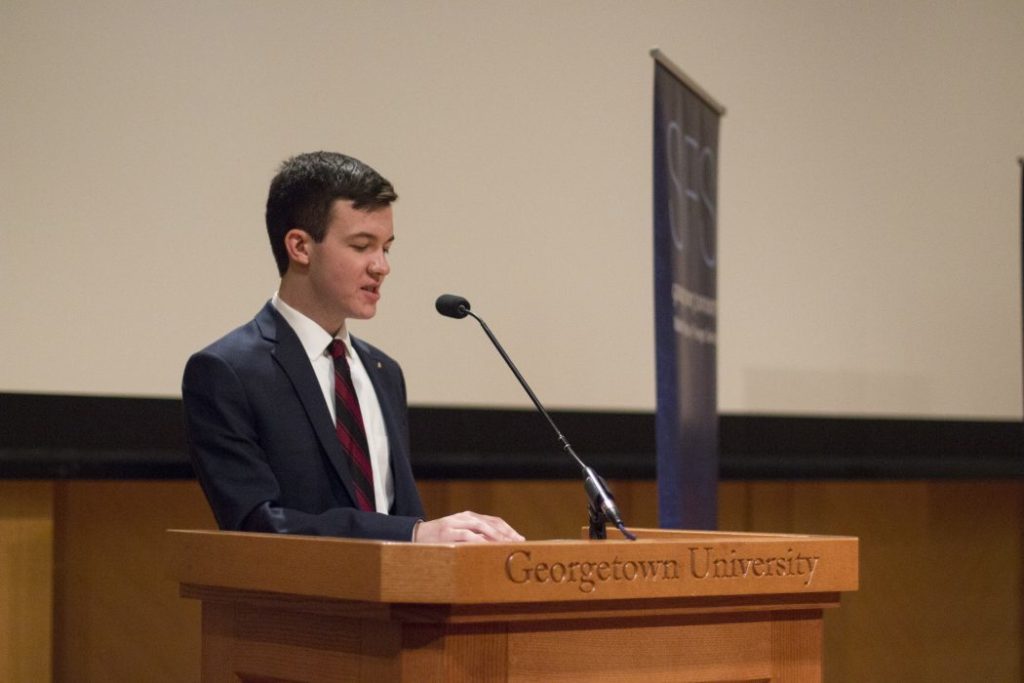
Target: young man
295 426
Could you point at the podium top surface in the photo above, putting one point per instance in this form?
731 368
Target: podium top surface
662 564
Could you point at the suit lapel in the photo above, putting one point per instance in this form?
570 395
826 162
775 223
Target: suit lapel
381 386
291 357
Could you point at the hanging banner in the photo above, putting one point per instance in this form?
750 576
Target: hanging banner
686 124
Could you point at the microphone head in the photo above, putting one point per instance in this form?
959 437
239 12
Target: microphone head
452 305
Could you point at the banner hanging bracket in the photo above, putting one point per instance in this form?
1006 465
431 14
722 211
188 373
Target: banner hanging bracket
700 92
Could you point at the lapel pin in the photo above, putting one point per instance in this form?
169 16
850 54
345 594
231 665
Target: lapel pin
379 366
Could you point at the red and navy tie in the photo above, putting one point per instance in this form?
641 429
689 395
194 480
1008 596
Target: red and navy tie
349 425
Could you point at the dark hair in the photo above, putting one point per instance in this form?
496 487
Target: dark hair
306 187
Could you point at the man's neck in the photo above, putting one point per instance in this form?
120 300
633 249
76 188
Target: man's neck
297 297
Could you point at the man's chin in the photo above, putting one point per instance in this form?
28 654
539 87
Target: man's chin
364 313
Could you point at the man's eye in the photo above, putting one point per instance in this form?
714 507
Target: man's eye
360 247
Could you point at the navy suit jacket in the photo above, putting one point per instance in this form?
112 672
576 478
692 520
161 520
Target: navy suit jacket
263 444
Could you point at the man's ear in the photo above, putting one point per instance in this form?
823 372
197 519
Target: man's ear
297 243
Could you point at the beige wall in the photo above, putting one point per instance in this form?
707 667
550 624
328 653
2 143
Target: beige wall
940 571
868 190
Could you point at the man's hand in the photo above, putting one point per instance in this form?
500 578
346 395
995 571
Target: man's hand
465 527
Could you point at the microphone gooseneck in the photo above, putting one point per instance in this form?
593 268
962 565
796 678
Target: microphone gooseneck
602 503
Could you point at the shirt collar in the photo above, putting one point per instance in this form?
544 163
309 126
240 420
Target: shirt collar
314 339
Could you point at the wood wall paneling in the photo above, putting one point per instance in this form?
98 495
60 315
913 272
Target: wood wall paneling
26 570
940 595
118 618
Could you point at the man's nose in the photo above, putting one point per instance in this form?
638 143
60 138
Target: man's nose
380 264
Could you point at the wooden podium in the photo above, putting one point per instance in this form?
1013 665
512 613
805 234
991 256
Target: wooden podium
672 606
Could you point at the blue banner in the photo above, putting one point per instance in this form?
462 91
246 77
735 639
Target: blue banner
685 302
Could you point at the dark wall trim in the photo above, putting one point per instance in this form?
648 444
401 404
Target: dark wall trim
99 437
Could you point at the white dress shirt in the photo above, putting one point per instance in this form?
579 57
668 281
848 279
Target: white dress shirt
315 341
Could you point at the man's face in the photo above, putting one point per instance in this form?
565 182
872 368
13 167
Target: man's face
347 268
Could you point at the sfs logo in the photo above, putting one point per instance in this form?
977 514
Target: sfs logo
691 204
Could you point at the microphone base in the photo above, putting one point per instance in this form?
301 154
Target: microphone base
598 522
598 525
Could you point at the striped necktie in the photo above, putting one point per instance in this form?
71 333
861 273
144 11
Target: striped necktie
349 426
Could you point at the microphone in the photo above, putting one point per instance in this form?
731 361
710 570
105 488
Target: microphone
602 503
452 306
